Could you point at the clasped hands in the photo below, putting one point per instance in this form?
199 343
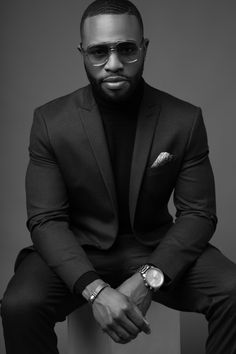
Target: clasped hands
121 311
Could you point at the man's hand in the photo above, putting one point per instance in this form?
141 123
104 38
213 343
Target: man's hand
137 292
118 316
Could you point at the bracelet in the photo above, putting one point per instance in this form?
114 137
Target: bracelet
97 291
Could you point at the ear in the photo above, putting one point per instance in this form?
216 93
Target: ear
80 48
145 45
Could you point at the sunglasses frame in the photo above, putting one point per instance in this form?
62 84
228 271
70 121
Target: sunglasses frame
112 48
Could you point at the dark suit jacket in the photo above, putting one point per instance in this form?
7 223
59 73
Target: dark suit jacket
71 198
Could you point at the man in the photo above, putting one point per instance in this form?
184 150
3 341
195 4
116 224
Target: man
104 161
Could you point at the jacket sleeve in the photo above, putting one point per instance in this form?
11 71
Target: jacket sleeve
48 209
194 199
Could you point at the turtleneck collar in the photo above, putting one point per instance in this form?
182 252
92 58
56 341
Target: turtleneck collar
132 103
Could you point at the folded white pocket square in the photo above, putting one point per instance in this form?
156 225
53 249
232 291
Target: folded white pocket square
162 159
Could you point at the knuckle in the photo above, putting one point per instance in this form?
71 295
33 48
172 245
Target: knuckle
118 314
116 317
127 308
109 326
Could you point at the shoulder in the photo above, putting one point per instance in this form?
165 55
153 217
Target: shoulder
172 103
175 112
63 105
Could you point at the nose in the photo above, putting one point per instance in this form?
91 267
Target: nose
113 63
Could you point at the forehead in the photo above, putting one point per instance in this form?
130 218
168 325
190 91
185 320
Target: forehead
110 28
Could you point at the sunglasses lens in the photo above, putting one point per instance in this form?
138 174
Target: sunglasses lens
127 51
98 54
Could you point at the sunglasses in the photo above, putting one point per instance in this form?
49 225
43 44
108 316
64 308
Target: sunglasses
128 52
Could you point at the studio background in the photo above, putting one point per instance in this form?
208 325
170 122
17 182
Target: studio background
191 55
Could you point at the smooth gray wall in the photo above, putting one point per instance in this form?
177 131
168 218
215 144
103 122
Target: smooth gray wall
191 55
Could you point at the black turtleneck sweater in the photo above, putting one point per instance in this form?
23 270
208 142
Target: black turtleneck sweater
119 121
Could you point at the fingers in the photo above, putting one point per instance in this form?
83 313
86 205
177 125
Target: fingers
118 316
119 335
122 329
113 335
129 326
135 315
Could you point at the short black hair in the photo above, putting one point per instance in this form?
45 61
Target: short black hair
101 7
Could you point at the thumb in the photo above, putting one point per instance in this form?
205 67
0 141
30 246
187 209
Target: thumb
146 325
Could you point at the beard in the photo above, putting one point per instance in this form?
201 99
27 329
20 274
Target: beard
116 96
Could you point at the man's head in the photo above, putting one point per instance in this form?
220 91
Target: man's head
117 26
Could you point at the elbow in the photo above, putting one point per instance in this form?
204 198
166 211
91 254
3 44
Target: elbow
42 221
209 217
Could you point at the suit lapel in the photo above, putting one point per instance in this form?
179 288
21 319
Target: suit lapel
146 125
147 120
93 126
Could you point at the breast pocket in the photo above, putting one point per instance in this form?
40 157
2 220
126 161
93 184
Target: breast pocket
154 171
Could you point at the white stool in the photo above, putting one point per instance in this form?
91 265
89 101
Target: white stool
86 337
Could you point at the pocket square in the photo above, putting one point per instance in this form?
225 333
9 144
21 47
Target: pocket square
162 159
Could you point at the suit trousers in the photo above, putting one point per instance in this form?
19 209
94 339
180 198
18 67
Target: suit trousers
36 298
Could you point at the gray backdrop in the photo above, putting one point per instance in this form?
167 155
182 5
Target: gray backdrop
191 55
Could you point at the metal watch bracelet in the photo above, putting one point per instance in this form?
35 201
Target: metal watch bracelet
143 269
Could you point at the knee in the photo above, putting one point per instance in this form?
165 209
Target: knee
232 291
19 306
229 291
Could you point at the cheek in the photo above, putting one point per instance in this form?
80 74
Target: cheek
135 70
94 73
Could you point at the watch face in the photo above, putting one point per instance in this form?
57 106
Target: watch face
154 278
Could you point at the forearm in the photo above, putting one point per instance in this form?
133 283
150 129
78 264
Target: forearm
194 199
58 246
183 243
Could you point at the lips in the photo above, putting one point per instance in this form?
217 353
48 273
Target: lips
115 79
115 83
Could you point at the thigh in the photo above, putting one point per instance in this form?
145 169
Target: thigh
121 261
212 277
35 284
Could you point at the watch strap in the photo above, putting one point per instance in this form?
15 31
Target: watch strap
144 268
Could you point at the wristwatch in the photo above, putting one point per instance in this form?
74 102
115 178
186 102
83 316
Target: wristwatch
153 277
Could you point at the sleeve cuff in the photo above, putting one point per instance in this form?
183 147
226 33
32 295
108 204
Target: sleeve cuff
84 280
